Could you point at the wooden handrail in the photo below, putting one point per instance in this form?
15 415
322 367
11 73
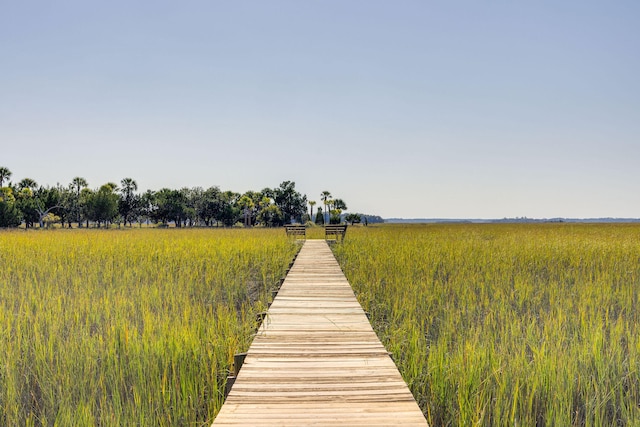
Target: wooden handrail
296 230
337 230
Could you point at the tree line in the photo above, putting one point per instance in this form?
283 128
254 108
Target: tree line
28 203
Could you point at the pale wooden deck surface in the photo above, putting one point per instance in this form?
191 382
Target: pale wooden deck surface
316 360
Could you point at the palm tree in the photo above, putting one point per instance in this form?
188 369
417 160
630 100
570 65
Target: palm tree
128 186
5 174
329 210
312 203
27 183
338 206
77 184
127 204
325 196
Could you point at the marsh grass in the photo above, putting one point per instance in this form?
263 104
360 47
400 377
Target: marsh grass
135 327
492 325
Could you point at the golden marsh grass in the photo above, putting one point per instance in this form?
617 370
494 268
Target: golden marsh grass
135 327
529 324
489 324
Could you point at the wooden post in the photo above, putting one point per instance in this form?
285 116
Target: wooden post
238 360
227 387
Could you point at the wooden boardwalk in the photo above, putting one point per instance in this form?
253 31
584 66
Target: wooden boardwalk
316 360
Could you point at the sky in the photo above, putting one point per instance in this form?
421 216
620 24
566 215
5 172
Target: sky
413 109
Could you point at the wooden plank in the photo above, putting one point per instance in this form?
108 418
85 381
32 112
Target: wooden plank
315 359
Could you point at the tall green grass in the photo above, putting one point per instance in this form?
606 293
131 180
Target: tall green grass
492 325
135 327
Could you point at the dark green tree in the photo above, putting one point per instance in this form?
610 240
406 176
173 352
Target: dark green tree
67 199
209 206
271 216
129 201
230 212
170 206
292 204
84 205
10 215
148 206
251 203
75 206
103 205
192 197
28 206
48 203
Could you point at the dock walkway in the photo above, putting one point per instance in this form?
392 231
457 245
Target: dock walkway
316 360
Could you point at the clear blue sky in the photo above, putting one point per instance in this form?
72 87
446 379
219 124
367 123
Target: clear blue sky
483 109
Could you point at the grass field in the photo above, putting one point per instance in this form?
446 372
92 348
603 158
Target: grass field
497 325
135 327
489 324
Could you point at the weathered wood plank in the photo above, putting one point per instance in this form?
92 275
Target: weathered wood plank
316 360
